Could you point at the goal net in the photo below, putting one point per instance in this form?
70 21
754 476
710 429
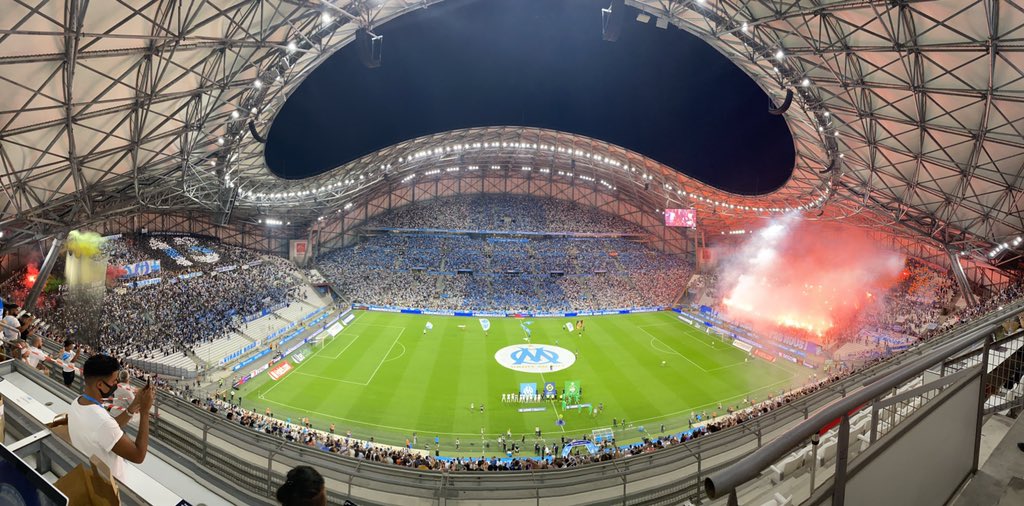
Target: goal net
321 340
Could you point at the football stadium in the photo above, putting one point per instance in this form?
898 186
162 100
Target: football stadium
511 252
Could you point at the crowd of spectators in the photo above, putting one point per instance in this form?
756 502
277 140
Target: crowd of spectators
192 304
924 301
504 212
448 272
1011 292
504 271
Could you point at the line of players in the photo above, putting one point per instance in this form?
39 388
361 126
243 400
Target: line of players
524 398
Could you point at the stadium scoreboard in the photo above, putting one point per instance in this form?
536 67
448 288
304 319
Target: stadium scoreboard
686 218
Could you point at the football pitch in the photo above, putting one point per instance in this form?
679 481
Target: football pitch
384 377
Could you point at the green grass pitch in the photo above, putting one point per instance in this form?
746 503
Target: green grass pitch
383 377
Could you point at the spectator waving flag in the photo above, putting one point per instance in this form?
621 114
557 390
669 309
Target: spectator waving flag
485 324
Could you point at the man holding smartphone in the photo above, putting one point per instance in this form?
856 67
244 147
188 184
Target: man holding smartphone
94 431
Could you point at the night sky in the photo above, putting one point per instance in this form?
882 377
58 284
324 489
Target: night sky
540 63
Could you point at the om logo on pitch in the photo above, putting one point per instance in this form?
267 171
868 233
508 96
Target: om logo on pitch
535 358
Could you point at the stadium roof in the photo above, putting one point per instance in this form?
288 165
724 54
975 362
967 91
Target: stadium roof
538 63
905 114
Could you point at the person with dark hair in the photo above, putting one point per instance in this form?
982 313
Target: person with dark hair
67 361
11 324
303 487
12 328
33 354
94 431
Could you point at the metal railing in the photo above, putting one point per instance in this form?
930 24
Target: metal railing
163 369
980 350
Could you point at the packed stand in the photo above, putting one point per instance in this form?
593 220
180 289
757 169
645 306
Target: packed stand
921 303
504 274
195 305
504 212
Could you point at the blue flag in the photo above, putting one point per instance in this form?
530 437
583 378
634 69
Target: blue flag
430 326
485 324
527 389
525 329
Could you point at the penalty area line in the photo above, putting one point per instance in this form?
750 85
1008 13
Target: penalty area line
671 350
384 358
304 362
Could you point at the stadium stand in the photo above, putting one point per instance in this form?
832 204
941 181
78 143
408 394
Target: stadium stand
194 310
431 265
507 213
503 275
922 303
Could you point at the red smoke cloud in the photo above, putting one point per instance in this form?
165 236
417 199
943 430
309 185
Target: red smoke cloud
806 275
31 274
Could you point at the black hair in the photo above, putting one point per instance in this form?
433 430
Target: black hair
100 365
301 486
69 342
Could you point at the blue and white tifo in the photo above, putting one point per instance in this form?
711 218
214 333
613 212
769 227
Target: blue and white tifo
535 358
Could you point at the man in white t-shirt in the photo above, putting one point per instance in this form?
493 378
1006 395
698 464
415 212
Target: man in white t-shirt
124 396
67 360
11 326
94 432
34 354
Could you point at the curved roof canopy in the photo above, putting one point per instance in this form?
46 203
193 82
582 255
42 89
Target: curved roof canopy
539 63
905 114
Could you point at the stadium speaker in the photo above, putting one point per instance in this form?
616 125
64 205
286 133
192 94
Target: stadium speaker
780 110
612 19
256 135
369 47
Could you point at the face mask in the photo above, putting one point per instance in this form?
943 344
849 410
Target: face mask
108 393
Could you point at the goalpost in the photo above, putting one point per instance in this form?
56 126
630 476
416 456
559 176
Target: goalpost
326 337
320 341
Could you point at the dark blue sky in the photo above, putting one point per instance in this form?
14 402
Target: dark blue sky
542 63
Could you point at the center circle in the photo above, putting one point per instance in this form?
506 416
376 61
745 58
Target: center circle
535 358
